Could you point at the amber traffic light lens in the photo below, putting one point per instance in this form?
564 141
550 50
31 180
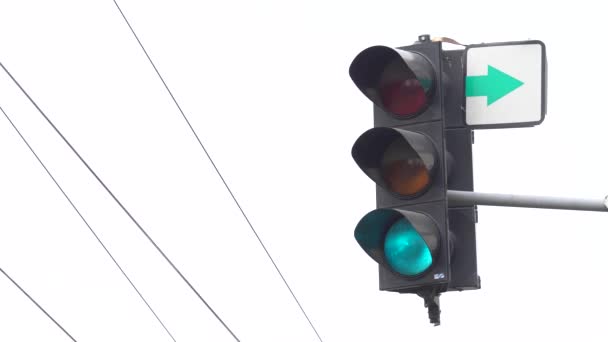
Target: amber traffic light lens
403 170
402 162
406 177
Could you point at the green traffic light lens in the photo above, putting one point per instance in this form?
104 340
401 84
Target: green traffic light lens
405 250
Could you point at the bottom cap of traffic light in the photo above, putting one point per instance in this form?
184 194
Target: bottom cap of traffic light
405 242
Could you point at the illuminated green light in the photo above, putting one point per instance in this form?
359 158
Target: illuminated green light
405 250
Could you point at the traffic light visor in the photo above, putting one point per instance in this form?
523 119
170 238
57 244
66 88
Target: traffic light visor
398 81
403 241
400 161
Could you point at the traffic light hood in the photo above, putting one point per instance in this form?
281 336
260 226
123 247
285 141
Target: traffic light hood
400 82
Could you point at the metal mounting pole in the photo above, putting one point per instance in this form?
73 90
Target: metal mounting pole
464 198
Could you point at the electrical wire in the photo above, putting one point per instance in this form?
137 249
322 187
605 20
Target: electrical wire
217 170
87 224
119 203
38 305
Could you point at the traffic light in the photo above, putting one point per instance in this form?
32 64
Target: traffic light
418 148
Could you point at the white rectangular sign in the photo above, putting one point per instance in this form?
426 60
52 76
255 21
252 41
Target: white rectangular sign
505 84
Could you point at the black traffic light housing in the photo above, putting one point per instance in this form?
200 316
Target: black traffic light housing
419 147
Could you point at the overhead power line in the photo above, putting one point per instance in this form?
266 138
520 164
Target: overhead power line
87 223
38 305
218 171
143 231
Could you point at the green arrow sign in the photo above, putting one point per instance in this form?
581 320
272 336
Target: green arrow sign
494 85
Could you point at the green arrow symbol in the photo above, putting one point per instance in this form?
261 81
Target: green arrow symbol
494 85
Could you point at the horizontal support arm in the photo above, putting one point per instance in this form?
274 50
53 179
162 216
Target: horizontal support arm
464 198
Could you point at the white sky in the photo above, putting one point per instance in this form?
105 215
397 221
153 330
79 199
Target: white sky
266 86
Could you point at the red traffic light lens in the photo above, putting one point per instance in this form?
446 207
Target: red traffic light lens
398 81
403 97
